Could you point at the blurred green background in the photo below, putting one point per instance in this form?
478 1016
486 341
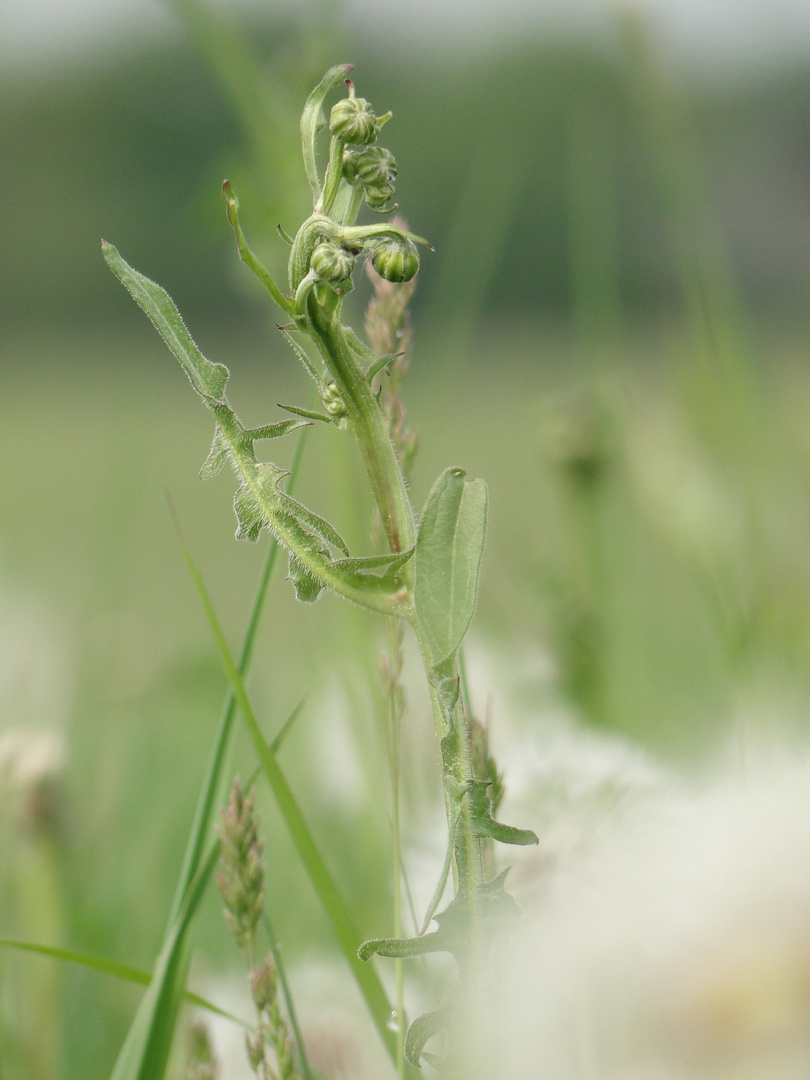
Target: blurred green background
612 332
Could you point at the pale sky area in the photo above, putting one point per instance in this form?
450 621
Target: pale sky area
721 31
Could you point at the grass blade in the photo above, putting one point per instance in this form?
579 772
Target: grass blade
125 972
332 901
149 1039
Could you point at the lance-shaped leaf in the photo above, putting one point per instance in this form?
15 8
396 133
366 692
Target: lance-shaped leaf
312 120
207 378
449 546
247 256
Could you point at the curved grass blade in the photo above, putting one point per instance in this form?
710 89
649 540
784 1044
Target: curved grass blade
334 905
125 972
168 979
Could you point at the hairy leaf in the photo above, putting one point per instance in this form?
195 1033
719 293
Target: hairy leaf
483 823
207 378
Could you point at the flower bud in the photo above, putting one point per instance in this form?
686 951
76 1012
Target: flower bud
396 259
376 165
379 197
353 121
332 263
332 401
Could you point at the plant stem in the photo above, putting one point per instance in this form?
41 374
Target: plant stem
368 424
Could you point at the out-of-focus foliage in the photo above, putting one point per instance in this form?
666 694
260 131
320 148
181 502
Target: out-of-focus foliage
498 153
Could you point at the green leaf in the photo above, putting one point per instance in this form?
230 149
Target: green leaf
274 431
361 572
217 455
310 414
484 825
247 256
111 967
145 1052
421 1030
307 586
401 948
312 120
449 546
300 352
208 379
334 905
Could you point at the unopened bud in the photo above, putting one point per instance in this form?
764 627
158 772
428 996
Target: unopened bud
353 121
396 259
332 263
379 198
332 401
376 165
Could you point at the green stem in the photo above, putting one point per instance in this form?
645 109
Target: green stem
368 424
353 206
394 728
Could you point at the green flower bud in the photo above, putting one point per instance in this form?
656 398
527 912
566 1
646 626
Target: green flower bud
332 401
380 198
353 121
396 259
332 263
376 165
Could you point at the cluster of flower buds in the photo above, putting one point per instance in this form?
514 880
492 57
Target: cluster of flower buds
372 167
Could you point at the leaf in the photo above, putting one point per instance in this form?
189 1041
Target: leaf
208 379
247 256
360 571
449 546
145 1052
421 1030
307 586
217 455
483 823
310 414
274 431
401 948
307 519
334 905
312 120
112 967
